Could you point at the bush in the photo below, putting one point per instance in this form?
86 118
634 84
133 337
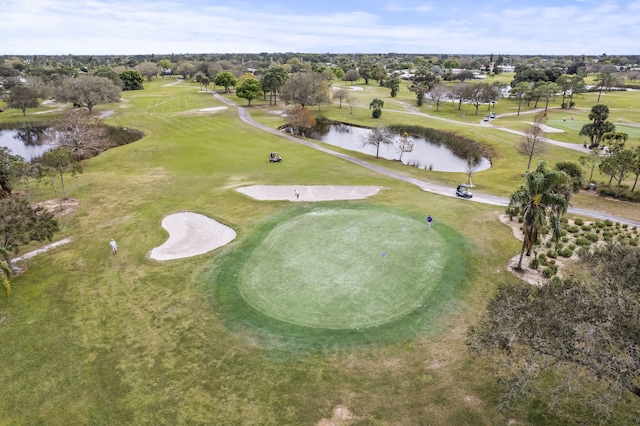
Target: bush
542 258
512 212
565 252
608 222
550 271
564 220
534 264
579 222
572 247
552 254
565 239
592 237
583 242
586 228
573 229
633 242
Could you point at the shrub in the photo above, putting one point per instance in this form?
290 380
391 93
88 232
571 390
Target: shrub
572 247
583 242
586 228
608 222
534 264
633 242
592 237
542 258
565 239
512 212
548 244
579 222
573 229
600 224
565 252
564 220
550 271
552 254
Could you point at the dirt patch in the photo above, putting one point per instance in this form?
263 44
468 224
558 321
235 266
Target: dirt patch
341 417
61 207
528 274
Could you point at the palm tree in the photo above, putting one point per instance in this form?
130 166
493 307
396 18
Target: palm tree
542 199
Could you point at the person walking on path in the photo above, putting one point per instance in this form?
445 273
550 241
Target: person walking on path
114 246
296 194
429 220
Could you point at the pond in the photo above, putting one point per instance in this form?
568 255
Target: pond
425 155
28 142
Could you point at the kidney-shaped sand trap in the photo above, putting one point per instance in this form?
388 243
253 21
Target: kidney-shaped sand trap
191 234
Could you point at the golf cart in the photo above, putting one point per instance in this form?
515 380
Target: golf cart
274 157
463 191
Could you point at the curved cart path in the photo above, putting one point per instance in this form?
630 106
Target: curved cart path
424 185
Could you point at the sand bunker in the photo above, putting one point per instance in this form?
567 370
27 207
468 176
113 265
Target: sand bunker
309 193
212 109
191 234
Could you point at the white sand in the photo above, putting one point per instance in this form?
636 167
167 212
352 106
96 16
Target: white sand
309 193
213 109
191 234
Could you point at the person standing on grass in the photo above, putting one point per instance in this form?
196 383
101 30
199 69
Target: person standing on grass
429 220
114 246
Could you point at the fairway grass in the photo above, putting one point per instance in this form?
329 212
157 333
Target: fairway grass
351 272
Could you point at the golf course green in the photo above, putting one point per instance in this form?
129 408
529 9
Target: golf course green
343 268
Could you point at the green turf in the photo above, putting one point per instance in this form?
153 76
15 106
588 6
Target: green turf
395 298
326 268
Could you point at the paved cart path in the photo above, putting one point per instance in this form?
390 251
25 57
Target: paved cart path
434 188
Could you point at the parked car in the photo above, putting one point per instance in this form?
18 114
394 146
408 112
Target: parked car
463 191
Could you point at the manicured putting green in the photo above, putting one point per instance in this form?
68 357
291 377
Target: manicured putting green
343 268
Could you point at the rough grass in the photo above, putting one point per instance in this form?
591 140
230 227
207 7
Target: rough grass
91 338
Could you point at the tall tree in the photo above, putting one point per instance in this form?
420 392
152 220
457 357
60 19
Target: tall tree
599 124
520 92
393 83
422 80
533 139
377 137
80 133
225 79
376 106
619 164
437 94
300 119
351 75
249 89
272 81
305 89
23 97
148 69
88 91
584 325
404 144
592 161
7 169
341 95
20 224
62 160
605 81
131 80
541 200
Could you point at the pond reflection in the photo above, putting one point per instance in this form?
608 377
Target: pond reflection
28 142
425 155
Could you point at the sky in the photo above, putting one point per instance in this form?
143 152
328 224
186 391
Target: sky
125 27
